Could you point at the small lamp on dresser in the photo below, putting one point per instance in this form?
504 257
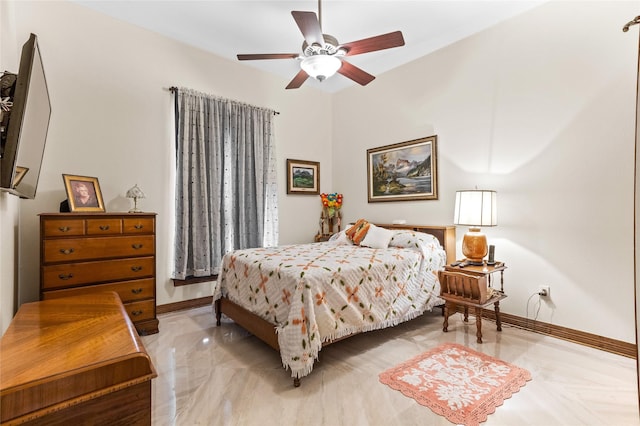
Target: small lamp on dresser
475 208
135 193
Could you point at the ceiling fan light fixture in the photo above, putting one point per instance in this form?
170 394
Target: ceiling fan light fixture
321 67
322 55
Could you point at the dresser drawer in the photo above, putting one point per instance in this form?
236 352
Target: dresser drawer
127 290
63 228
104 226
91 253
140 311
73 274
74 249
138 226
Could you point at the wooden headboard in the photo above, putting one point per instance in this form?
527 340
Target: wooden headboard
445 234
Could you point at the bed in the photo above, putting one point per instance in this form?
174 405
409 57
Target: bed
299 298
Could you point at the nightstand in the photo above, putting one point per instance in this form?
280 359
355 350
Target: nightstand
482 270
471 286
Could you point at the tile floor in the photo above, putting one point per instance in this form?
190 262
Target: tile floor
210 375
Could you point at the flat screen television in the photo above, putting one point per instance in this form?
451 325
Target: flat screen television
26 124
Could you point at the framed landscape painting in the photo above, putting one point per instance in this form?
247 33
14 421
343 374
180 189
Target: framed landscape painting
403 172
303 177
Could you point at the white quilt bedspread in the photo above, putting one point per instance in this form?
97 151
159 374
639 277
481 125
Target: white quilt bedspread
318 292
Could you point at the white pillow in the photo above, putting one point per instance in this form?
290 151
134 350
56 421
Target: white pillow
377 237
341 239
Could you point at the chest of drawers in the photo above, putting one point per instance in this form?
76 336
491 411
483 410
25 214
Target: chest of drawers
74 361
86 253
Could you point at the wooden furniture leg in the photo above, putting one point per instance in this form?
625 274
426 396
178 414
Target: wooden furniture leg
445 324
218 304
497 310
479 324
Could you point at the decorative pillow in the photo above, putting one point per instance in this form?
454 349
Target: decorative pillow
351 230
341 238
358 231
377 237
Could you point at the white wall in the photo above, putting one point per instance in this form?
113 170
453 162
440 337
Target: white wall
9 205
541 109
9 260
113 119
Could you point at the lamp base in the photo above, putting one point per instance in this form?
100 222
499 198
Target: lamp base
135 208
474 246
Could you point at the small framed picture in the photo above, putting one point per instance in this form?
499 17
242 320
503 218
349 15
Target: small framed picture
303 177
20 173
83 193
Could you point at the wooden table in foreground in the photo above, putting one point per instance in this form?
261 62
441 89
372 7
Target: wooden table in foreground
75 360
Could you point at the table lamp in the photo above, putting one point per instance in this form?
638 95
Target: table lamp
135 193
475 208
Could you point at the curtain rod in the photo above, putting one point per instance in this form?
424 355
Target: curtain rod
634 21
174 89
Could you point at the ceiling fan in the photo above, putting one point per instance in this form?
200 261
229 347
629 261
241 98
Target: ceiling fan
322 56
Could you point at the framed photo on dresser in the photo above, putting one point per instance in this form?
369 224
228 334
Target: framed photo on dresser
83 193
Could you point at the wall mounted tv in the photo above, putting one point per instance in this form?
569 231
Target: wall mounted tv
25 125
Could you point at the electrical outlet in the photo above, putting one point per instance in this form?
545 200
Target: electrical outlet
544 291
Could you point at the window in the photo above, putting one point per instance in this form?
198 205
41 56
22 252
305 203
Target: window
226 191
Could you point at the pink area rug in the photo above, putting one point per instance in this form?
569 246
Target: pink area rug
456 382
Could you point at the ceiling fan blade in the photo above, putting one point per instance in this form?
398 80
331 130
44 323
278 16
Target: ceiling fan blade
252 57
297 81
356 74
371 44
309 26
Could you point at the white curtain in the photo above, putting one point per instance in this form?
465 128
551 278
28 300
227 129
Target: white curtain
226 191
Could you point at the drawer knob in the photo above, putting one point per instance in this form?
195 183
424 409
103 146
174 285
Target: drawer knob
136 313
64 229
136 246
104 227
136 290
65 276
136 268
66 251
138 226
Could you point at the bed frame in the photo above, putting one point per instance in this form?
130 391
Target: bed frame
266 331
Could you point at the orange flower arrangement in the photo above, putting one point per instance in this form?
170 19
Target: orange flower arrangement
331 203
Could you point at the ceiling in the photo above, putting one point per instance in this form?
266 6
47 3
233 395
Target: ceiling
227 28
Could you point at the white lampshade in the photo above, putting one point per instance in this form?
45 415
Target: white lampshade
476 208
321 67
135 193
